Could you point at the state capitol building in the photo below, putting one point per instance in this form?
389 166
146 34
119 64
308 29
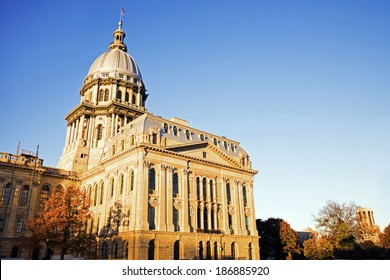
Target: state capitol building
187 193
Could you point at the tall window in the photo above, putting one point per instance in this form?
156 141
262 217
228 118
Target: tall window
230 221
175 130
126 250
127 97
2 222
215 250
115 250
101 96
233 249
24 197
151 214
121 184
105 251
176 219
247 224
131 177
205 219
7 193
151 250
154 138
200 248
99 132
101 192
176 250
244 194
152 180
204 186
228 196
133 100
198 187
119 95
211 190
208 250
175 183
45 193
19 224
250 256
106 94
95 196
199 213
112 187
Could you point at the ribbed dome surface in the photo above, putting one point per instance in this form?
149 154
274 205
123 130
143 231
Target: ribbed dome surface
114 62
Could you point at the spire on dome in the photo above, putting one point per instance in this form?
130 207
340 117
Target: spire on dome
119 35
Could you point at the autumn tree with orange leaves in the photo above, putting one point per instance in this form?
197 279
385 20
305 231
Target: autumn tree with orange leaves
61 222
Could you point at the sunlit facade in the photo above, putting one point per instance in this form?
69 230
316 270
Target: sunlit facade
159 188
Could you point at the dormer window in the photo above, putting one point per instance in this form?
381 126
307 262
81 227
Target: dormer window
201 137
188 134
175 130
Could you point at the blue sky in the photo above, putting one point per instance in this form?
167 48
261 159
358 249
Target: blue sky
303 85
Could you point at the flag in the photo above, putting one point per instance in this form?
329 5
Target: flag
122 11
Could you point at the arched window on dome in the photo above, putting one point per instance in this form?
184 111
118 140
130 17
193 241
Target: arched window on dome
106 95
119 95
101 96
99 132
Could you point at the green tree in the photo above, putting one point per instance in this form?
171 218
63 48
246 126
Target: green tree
61 222
384 238
318 249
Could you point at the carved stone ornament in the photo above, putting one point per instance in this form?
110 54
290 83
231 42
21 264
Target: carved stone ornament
19 181
247 212
231 210
192 211
178 204
154 202
2 179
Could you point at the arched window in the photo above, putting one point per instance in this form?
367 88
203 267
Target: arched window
200 249
7 193
151 250
101 192
205 219
131 180
106 95
188 135
233 249
24 197
99 132
127 97
119 95
133 100
250 256
152 180
175 130
121 184
112 185
175 183
45 193
105 251
247 225
95 196
101 96
176 250
126 250
201 136
151 215
208 250
166 128
212 219
115 250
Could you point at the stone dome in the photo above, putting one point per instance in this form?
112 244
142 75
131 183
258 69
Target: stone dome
115 63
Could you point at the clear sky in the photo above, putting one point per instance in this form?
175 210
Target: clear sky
303 85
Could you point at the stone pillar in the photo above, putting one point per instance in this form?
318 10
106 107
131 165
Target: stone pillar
169 199
252 218
112 128
184 225
163 218
67 136
225 208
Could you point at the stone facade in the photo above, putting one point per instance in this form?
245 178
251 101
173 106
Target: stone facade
176 192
